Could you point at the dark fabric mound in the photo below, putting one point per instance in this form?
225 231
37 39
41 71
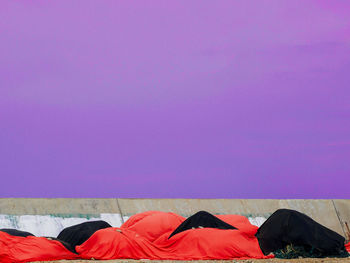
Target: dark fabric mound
201 219
15 232
78 234
286 229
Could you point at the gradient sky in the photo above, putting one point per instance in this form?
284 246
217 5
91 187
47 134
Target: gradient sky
165 99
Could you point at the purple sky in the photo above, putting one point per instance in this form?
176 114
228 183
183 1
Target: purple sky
201 99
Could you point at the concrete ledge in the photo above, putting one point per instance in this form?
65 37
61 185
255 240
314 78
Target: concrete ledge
334 214
47 206
187 207
322 211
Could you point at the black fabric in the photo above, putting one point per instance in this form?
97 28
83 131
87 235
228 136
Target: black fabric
291 228
65 244
201 219
78 234
15 232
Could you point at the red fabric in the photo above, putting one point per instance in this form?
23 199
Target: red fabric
26 249
145 236
153 224
240 222
347 246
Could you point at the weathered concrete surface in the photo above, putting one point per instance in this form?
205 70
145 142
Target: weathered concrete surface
46 206
343 211
187 207
322 211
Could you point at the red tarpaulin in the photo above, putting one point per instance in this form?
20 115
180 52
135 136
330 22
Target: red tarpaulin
25 249
347 246
145 236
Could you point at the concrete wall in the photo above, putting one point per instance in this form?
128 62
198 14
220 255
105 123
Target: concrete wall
334 214
45 206
343 212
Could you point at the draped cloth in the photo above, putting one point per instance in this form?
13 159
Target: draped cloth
146 236
31 248
287 227
160 236
201 219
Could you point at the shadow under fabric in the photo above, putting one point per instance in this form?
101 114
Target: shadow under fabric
15 232
201 219
290 234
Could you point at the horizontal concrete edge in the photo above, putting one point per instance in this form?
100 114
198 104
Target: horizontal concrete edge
322 210
46 206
